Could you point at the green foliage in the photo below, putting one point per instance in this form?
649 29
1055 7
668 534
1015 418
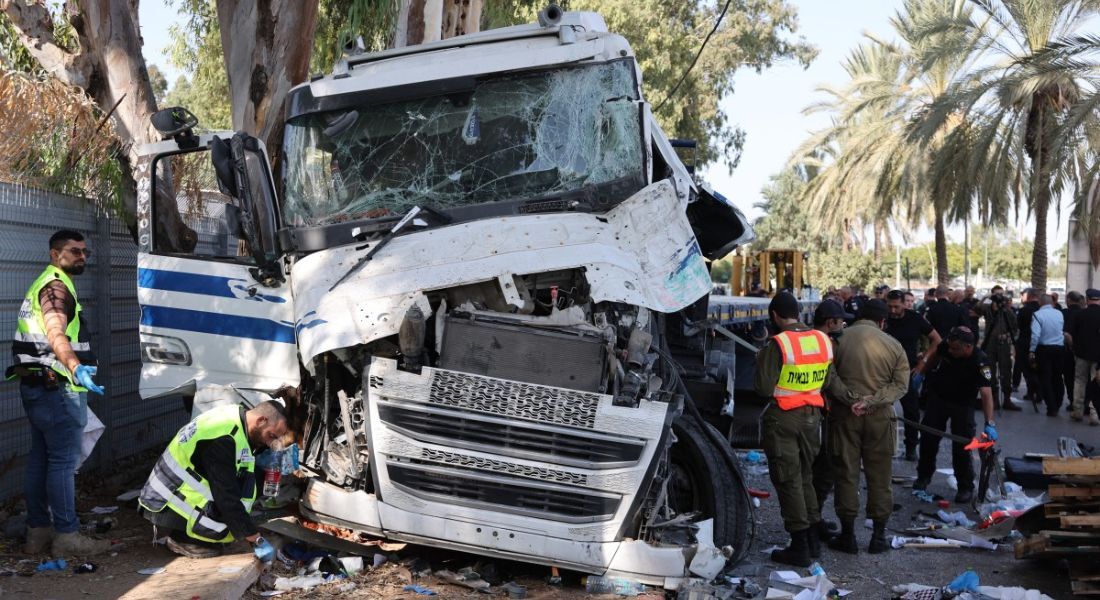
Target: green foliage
720 270
785 223
665 36
839 268
196 48
13 55
159 84
341 21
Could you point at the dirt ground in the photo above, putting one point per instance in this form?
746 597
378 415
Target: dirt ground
867 576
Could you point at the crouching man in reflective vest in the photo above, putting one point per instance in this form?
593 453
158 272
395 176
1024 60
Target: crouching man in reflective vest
202 488
792 369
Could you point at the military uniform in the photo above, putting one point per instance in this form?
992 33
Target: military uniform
792 369
871 364
1000 331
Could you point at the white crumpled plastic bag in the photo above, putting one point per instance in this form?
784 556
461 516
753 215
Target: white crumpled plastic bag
93 429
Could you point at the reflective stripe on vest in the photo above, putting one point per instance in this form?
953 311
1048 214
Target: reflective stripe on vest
175 484
30 347
806 359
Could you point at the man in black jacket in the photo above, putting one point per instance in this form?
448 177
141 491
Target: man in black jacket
1030 304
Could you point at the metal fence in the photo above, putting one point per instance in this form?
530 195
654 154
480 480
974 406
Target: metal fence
108 293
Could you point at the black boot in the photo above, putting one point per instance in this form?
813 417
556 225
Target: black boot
846 541
825 530
798 553
878 543
813 542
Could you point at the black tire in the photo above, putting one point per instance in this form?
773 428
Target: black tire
703 477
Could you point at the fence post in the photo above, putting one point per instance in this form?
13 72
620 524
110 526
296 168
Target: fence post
104 350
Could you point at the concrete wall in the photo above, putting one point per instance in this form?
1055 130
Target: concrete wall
108 293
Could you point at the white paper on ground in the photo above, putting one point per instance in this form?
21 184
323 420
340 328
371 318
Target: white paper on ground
93 429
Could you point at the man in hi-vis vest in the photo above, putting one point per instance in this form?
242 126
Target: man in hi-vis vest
792 369
203 486
54 363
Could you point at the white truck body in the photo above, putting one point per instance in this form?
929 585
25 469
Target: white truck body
555 465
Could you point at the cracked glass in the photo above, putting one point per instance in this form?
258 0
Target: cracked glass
511 138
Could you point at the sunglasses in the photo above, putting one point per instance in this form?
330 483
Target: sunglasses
79 251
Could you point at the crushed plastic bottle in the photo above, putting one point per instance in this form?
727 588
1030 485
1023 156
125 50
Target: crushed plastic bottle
816 569
620 586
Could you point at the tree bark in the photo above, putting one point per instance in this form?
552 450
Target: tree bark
879 227
1040 123
424 21
109 67
943 276
267 45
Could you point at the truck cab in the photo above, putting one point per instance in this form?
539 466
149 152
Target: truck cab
480 279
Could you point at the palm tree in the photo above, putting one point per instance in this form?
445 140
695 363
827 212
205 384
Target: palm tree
877 169
1011 113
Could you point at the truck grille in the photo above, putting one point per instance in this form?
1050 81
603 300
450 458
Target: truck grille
507 438
502 492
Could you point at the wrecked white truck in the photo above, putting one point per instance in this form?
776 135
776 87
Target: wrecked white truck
484 274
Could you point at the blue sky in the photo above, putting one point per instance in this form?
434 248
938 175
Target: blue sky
767 106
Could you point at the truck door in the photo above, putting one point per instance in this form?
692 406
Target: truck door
215 308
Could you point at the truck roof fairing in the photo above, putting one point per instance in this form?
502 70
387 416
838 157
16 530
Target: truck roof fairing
447 66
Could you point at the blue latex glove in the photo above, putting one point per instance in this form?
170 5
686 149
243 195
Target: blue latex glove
263 550
991 431
966 582
84 375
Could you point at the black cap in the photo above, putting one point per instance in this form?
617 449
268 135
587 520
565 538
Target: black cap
961 333
874 309
1092 294
831 309
785 305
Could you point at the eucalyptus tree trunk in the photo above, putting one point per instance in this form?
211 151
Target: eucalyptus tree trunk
109 67
943 276
267 46
423 21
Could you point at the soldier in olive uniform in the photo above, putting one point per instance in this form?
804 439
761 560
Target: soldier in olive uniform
875 370
792 369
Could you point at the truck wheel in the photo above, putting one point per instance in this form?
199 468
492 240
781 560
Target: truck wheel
702 479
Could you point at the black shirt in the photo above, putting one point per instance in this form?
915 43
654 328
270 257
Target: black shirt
957 380
1085 329
1023 322
907 330
216 461
944 314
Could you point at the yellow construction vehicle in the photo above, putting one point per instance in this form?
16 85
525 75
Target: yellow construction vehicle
763 272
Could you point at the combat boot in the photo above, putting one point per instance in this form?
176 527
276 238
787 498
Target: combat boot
825 530
76 544
846 541
38 540
797 553
878 543
813 542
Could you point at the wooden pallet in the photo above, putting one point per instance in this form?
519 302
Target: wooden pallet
1075 506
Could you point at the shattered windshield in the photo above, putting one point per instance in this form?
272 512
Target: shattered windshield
510 138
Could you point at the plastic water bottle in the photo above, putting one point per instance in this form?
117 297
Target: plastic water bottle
620 586
816 569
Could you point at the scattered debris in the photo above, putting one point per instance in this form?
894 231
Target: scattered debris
469 578
419 589
790 585
620 586
924 496
58 564
85 568
152 570
515 590
103 510
956 518
128 495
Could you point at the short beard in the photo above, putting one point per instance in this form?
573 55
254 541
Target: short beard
74 270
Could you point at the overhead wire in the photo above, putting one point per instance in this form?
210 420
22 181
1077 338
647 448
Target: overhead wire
698 54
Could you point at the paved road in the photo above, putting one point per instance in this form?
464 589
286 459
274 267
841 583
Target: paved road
871 576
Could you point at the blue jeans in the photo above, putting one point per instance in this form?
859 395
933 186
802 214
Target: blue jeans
57 425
